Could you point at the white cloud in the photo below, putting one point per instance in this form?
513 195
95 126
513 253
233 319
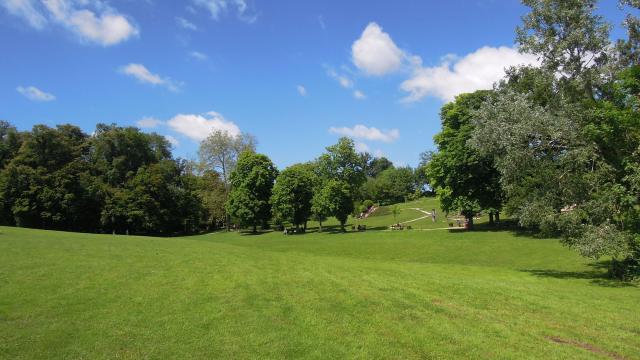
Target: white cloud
26 10
301 90
218 7
475 71
367 133
141 73
362 147
343 80
173 141
35 94
198 127
148 123
375 53
198 55
186 24
359 95
91 20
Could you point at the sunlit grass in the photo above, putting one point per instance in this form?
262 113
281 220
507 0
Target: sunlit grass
376 294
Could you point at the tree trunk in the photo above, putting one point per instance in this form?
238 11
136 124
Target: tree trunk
470 222
320 225
491 222
498 217
255 227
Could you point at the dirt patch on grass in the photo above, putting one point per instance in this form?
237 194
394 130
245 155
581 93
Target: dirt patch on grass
586 346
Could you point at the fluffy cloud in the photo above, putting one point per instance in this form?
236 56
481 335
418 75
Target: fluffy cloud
148 123
475 71
359 95
25 9
92 21
367 133
375 53
301 90
173 141
198 127
35 94
198 55
186 24
143 75
218 7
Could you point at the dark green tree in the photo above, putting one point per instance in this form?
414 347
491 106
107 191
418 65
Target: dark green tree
292 194
464 180
337 195
342 163
251 188
378 165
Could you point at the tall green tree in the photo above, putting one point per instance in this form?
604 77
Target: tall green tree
320 206
337 195
292 194
220 152
570 40
251 189
391 186
562 135
378 165
341 162
47 183
10 142
464 180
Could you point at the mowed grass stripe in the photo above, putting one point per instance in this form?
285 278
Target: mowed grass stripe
229 296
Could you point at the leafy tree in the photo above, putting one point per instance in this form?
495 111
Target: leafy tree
463 178
569 39
46 184
628 50
567 132
212 193
220 152
342 163
337 195
378 165
117 153
292 194
10 142
391 186
320 207
251 188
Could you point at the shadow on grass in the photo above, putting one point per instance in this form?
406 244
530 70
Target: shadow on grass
597 275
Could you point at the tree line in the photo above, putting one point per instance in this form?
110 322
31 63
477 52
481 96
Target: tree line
122 180
557 145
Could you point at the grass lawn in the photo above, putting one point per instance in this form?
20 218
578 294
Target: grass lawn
383 218
377 294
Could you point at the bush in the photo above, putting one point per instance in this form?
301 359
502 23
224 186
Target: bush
625 270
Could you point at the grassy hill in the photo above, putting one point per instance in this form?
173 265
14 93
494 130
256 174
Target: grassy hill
377 294
382 218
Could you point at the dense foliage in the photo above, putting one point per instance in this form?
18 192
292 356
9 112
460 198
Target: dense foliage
117 180
559 141
466 181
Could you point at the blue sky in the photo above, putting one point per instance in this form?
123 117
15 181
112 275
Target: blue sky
296 74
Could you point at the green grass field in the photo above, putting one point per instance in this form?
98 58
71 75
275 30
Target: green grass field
376 294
